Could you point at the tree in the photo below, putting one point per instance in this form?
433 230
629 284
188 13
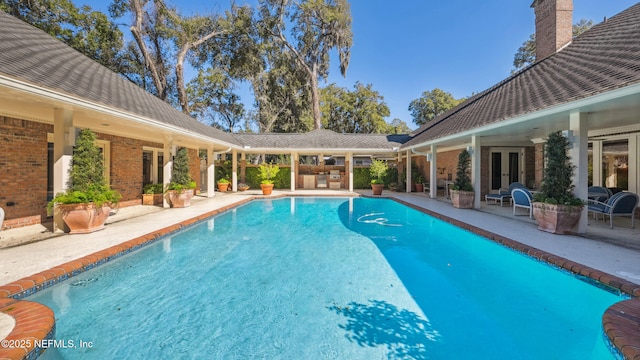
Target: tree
90 32
318 26
431 104
359 111
281 94
526 54
398 126
165 40
211 95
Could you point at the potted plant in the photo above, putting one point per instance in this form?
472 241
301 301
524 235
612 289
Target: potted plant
555 208
462 194
223 185
243 186
267 172
86 203
378 170
419 181
152 194
181 188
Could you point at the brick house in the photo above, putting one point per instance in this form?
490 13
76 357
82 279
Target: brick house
588 86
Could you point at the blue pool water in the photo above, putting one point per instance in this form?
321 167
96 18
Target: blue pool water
314 278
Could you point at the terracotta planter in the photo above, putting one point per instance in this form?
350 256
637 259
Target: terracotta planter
266 189
223 187
419 188
377 189
243 188
180 199
84 218
557 219
151 199
462 199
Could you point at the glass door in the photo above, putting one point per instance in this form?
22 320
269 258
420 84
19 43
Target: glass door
506 167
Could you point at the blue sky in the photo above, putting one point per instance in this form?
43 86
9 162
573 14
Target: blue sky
406 47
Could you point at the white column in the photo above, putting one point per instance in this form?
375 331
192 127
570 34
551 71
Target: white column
579 158
64 138
211 172
408 187
475 171
168 152
350 160
433 173
634 157
597 163
234 170
154 166
294 159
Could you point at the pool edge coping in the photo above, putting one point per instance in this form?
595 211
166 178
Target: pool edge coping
620 321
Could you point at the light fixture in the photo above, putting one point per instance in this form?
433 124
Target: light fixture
569 135
429 157
247 147
470 149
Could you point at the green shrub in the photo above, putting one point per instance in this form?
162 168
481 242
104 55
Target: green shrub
463 174
281 181
557 186
86 175
378 170
152 189
267 172
180 176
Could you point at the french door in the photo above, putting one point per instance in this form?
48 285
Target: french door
505 167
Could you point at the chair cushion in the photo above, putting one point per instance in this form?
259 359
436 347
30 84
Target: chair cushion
601 208
497 196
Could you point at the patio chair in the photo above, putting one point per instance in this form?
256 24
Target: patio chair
503 194
620 204
599 193
522 198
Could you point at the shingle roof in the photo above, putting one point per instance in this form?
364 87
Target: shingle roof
322 139
33 56
604 58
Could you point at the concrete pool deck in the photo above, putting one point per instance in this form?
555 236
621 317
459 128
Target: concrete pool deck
48 251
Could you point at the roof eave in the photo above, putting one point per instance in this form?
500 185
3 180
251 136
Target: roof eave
561 108
46 93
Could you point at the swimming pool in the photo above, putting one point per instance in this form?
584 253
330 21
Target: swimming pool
327 278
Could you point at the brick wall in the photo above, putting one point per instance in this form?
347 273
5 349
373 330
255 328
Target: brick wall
553 26
530 167
125 172
539 164
194 167
23 171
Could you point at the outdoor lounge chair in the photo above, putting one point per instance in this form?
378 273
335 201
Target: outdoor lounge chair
599 193
620 204
503 194
522 198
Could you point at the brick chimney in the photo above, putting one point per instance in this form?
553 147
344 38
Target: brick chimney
554 25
